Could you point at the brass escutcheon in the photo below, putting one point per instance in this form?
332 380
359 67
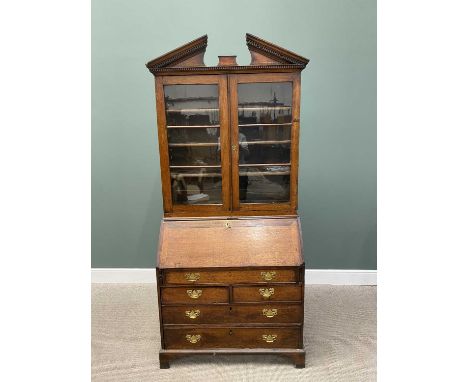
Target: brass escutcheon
192 313
270 312
192 277
268 276
269 337
266 292
193 338
194 293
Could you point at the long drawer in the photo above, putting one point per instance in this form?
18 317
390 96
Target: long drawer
267 293
230 276
212 314
195 294
215 338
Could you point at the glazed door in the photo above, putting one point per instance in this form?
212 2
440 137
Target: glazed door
194 143
264 137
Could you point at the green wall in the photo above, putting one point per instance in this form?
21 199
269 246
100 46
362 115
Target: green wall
337 182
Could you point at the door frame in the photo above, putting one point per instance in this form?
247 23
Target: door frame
281 207
169 207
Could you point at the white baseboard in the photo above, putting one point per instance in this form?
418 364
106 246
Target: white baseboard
340 276
123 275
312 276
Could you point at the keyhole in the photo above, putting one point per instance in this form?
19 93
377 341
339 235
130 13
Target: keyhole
230 332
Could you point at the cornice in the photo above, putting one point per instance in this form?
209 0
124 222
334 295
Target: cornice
188 58
197 46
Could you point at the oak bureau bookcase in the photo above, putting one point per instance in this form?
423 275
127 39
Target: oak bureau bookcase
230 269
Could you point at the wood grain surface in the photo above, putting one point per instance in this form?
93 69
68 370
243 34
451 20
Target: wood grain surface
230 243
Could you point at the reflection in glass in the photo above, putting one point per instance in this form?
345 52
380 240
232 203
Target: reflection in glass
264 184
265 103
265 144
196 185
265 120
193 134
191 105
194 154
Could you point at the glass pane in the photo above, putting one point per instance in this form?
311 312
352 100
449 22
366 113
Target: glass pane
265 103
194 155
191 105
265 120
196 185
264 144
193 133
264 184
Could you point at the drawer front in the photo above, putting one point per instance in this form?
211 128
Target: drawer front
231 277
195 294
243 338
267 293
261 313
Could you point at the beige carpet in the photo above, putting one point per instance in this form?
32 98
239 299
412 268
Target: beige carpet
339 337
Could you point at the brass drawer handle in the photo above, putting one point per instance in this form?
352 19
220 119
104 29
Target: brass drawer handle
270 313
268 276
266 292
193 338
192 314
194 293
192 277
269 338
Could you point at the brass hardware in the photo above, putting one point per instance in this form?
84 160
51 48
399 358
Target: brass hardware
195 293
270 312
230 332
269 338
192 313
268 276
193 338
266 292
192 277
227 225
234 147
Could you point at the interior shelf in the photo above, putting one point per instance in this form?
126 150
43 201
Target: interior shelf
190 126
199 166
201 144
202 175
190 110
263 173
214 144
264 164
268 142
264 107
264 124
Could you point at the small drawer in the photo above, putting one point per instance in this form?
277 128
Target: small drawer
205 314
241 338
271 292
195 294
231 276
